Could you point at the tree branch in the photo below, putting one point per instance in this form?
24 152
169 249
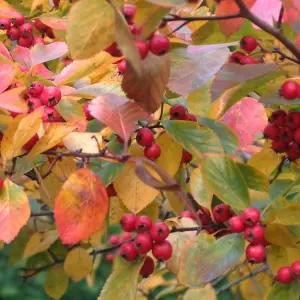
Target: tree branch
200 18
280 17
42 214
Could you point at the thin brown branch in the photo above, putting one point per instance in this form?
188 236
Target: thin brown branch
284 56
53 163
280 17
200 18
279 170
42 214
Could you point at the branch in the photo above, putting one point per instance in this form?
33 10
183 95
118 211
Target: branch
201 18
284 56
279 170
53 163
42 214
280 17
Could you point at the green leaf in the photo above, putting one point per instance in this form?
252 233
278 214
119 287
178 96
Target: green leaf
255 179
285 291
90 27
288 215
169 3
229 140
279 187
122 283
225 180
194 138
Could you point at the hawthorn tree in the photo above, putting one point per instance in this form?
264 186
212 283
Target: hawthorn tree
178 120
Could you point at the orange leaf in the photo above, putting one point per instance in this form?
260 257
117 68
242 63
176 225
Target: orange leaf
228 7
12 100
14 211
6 10
80 207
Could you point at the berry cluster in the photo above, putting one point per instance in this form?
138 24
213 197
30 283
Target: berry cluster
145 138
248 44
284 131
289 274
22 32
290 90
158 44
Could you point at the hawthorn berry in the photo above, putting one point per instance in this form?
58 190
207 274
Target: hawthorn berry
111 192
235 57
127 222
33 103
278 117
293 152
221 213
148 267
38 40
18 20
13 33
159 232
279 146
35 89
297 135
162 251
1 183
26 30
122 66
29 145
255 234
293 119
272 132
51 96
204 216
248 60
128 251
248 43
285 275
255 253
143 223
152 152
51 115
190 117
113 50
186 157
145 137
136 30
129 12
87 112
177 112
236 224
110 257
286 134
251 216
187 214
143 48
289 90
114 240
4 23
159 44
125 236
295 268
40 26
143 243
25 42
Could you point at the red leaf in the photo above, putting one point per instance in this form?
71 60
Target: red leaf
7 72
12 100
22 56
246 118
80 207
14 211
118 113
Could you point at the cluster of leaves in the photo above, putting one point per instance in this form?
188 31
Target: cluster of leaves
81 175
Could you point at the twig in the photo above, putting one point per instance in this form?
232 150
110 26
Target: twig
42 214
284 56
13 167
53 163
279 170
179 27
280 17
201 18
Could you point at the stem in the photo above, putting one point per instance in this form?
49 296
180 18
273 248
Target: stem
51 166
284 56
201 18
42 214
280 17
279 170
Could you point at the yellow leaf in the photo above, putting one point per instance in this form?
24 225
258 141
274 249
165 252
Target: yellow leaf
40 242
279 235
78 264
175 201
56 282
35 4
206 293
53 136
16 102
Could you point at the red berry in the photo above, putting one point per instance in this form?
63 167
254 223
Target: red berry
4 23
279 146
289 90
204 215
278 117
114 240
36 89
187 214
285 275
39 25
125 236
50 33
18 20
247 60
51 96
29 145
152 152
51 115
159 44
159 232
251 216
237 224
255 234
177 112
33 103
111 192
13 33
113 50
162 251
295 268
87 112
127 222
1 183
143 48
190 117
26 30
221 213
297 135
56 3
293 152
293 119
255 253
272 132
128 251
110 257
148 267
145 137
248 43
25 42
122 66
129 12
136 31
143 243
186 157
38 40
235 57
286 135
14 114
143 223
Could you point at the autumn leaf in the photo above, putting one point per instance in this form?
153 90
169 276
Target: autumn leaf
80 207
14 210
56 282
7 72
16 102
55 23
6 10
